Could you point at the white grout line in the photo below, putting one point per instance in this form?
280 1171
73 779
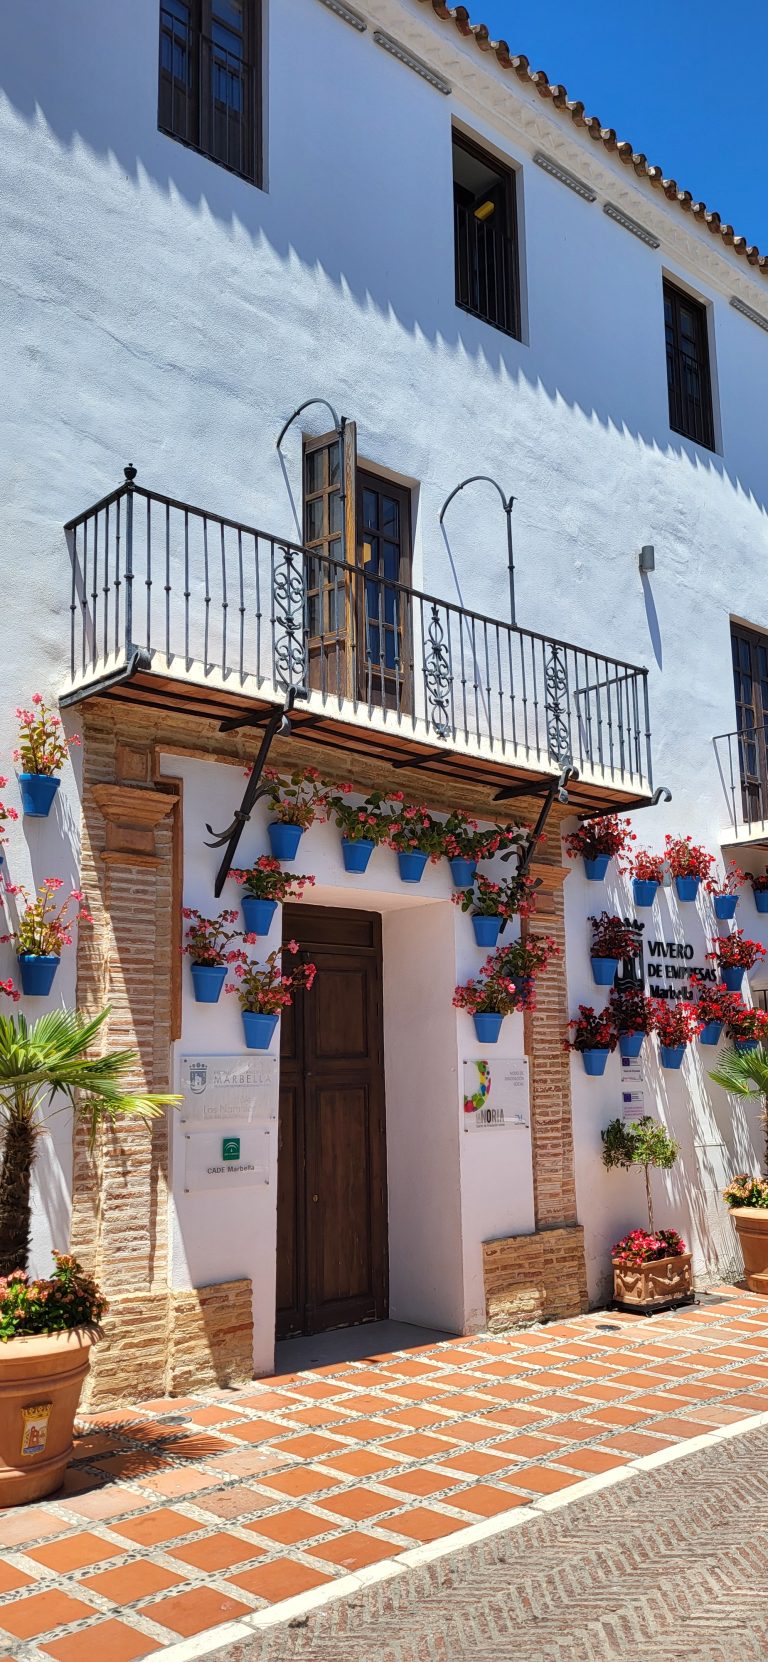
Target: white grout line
216 1638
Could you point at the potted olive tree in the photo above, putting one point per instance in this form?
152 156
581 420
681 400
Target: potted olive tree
651 1268
47 1326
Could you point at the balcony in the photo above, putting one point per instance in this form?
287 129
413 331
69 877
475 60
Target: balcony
742 763
175 607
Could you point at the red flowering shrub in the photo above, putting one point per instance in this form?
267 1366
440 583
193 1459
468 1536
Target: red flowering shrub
631 1012
44 926
5 813
640 1247
645 865
734 951
730 882
208 940
686 858
675 1024
411 829
359 821
743 1022
68 1298
264 989
505 899
42 747
611 938
493 992
759 881
592 1030
298 800
609 836
266 880
713 1003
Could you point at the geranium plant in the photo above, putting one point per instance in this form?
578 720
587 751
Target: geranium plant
509 897
641 1247
45 925
592 1030
493 992
631 1011
609 836
611 938
759 880
686 858
675 1023
644 1142
359 821
209 941
267 989
734 952
5 813
412 829
466 840
266 880
713 1003
67 1298
42 747
743 1022
646 866
728 882
297 800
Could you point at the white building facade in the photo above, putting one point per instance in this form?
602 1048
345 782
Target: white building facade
218 214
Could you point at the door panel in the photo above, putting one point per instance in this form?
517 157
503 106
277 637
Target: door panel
332 1217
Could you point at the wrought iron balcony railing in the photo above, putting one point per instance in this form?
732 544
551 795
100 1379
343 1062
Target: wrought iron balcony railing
742 763
220 604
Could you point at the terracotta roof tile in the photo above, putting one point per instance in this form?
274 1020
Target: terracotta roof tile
558 95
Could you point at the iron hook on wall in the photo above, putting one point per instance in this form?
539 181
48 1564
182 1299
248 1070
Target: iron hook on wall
339 426
507 503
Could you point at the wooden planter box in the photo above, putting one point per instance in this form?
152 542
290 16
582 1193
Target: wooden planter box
752 1229
660 1285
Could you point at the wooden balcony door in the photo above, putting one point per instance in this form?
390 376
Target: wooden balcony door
750 679
383 613
332 1251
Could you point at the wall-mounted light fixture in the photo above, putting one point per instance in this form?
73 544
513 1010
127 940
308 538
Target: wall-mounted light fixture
411 61
749 311
346 13
564 177
647 561
632 225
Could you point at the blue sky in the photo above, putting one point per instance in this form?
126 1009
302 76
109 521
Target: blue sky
683 80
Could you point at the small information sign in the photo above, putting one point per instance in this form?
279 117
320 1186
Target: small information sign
496 1094
228 1088
226 1163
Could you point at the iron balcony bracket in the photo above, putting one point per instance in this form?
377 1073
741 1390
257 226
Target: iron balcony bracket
556 790
139 659
661 794
277 722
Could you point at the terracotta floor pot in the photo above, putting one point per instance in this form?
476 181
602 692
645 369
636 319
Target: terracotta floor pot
41 1378
656 1286
752 1229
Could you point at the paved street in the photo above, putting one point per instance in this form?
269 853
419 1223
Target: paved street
668 1566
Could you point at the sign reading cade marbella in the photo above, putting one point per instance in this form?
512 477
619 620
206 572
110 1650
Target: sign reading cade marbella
218 1160
228 1088
496 1095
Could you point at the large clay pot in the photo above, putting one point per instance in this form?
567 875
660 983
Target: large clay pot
660 1285
43 1372
752 1229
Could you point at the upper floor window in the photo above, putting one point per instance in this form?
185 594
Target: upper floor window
210 80
485 231
688 377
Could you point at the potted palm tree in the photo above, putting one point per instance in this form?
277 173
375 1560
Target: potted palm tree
745 1073
47 1326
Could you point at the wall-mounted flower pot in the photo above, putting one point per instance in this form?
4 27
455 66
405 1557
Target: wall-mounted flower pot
604 971
356 854
644 890
596 869
594 1062
747 1044
208 980
631 1044
486 929
672 1056
37 972
711 1033
761 899
257 914
284 839
463 872
725 906
37 793
733 975
687 887
258 1029
488 1026
411 866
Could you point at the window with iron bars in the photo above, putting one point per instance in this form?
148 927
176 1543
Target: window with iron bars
210 80
485 237
688 375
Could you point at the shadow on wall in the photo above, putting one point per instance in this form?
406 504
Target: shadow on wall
109 93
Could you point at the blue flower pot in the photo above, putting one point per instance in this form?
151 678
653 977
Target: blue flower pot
208 980
732 975
463 873
604 971
488 1026
710 1033
644 891
411 867
258 1029
594 1062
631 1044
725 906
747 1044
672 1055
486 930
761 899
687 887
596 871
37 793
284 839
257 914
37 973
356 854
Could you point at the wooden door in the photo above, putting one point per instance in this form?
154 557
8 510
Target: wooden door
332 1268
383 621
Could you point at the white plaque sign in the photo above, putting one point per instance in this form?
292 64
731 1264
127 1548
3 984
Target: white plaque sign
228 1088
496 1094
225 1160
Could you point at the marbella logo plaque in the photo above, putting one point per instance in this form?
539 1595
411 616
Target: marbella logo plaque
228 1089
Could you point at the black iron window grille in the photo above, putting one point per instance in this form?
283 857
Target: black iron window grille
485 233
688 375
209 80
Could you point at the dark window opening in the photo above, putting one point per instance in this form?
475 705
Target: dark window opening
688 377
750 683
209 80
485 232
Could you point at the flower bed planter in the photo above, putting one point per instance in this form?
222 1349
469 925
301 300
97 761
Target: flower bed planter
486 929
604 971
595 1062
37 793
37 971
258 1029
257 914
644 891
208 980
630 1045
752 1229
661 1284
725 906
487 1026
36 1371
284 839
356 853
